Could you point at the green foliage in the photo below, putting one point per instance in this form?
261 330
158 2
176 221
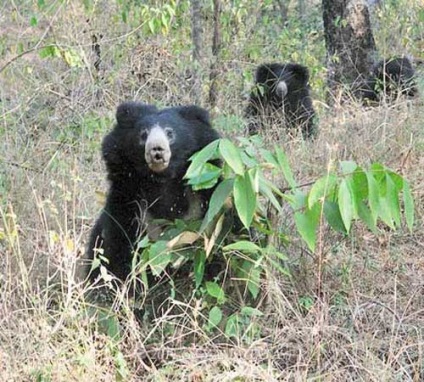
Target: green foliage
340 197
155 18
70 56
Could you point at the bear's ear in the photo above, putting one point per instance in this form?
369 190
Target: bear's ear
129 112
265 72
300 73
193 113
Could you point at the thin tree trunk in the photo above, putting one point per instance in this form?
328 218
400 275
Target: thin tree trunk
216 48
196 35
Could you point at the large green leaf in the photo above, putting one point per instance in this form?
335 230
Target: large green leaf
215 316
373 197
217 200
159 257
333 216
307 224
243 246
231 155
214 290
359 185
207 178
322 188
199 159
366 216
244 199
346 203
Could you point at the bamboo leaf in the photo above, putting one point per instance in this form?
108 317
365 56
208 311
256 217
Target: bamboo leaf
231 155
244 199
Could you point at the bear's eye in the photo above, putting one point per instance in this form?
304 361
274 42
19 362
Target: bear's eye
143 135
169 133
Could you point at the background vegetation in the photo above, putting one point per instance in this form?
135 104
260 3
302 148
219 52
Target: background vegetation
64 66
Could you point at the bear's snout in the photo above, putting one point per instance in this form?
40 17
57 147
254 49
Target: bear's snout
157 150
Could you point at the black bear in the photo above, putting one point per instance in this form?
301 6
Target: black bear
391 78
281 96
146 157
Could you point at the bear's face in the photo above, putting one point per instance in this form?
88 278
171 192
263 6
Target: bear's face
157 143
165 141
154 143
280 79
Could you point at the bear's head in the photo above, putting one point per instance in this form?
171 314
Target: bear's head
280 79
156 143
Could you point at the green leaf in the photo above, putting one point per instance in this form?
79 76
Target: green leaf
299 200
408 205
378 172
232 156
346 203
373 196
322 188
250 312
393 199
207 178
333 216
214 290
252 275
243 246
199 266
49 51
199 159
244 199
266 189
389 203
217 201
365 215
233 326
397 180
307 224
359 184
215 316
159 257
151 25
269 157
285 167
33 21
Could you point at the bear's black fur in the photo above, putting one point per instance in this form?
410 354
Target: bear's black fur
146 157
281 96
391 78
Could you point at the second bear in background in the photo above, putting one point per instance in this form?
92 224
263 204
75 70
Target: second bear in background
281 97
390 78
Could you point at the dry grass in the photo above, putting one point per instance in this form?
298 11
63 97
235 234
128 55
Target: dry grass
367 324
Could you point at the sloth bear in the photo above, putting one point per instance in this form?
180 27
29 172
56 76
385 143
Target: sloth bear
146 157
281 96
390 77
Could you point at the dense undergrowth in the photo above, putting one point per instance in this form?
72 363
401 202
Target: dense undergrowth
351 310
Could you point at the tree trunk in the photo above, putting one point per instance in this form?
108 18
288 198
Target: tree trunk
196 36
216 47
349 42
